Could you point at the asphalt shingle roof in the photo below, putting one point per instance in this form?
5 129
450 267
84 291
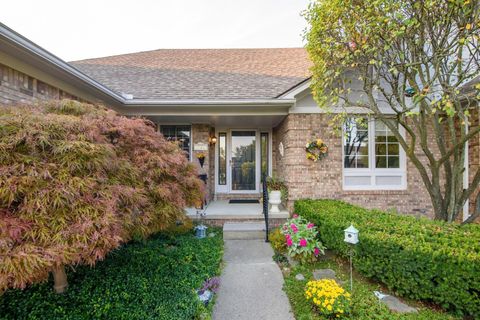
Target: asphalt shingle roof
205 74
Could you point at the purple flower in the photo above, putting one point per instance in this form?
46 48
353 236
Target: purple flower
211 284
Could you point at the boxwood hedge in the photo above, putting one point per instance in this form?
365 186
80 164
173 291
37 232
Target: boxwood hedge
154 279
417 258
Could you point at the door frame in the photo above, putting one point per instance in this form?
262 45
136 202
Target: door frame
228 187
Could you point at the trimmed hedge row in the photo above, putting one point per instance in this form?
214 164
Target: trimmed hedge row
417 258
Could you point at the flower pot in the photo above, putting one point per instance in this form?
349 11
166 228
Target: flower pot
202 161
275 198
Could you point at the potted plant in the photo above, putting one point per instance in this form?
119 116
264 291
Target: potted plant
201 158
277 193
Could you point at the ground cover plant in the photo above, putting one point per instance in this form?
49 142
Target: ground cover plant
78 181
151 279
419 259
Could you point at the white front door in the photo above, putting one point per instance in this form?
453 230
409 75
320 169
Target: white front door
239 155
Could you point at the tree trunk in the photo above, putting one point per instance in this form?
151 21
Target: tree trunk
59 279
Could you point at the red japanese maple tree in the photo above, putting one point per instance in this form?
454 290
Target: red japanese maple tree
77 181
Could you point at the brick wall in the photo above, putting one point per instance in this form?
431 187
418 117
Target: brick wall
18 87
323 179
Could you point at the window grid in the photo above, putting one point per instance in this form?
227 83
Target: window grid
379 142
180 134
387 148
356 144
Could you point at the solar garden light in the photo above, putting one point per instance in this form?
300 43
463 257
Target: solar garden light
201 231
351 237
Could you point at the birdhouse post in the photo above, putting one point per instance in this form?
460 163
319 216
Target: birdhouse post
351 237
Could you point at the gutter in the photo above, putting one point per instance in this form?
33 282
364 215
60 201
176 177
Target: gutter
209 103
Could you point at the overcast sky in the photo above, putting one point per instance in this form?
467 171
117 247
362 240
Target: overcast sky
83 29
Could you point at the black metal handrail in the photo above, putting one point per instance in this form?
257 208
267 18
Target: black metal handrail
265 205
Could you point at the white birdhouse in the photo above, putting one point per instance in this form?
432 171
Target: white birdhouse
351 235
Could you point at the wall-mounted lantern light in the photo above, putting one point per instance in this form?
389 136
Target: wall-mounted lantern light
212 140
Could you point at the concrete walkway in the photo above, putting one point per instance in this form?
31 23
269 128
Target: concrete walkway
251 284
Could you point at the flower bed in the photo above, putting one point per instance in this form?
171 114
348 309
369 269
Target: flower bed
416 258
328 297
155 279
363 305
301 239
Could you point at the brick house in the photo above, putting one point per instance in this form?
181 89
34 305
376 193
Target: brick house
249 111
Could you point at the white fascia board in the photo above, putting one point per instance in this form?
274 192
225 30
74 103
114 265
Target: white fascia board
207 108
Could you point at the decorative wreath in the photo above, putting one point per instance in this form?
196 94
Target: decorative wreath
316 150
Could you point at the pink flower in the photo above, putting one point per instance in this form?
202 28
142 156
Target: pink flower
294 228
287 236
289 242
284 227
295 215
303 242
316 252
310 225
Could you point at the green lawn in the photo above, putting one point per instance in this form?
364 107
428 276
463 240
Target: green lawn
155 279
365 306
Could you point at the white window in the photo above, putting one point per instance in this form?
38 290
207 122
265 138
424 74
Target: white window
372 156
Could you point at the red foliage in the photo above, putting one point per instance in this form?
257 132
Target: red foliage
77 181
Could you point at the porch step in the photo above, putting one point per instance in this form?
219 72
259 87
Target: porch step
243 230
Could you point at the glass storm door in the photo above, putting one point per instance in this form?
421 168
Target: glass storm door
243 161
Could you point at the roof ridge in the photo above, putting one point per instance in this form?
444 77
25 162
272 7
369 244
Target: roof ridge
185 49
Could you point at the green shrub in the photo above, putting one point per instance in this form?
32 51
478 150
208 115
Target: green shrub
150 279
277 240
417 258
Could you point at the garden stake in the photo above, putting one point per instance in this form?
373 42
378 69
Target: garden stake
351 238
351 269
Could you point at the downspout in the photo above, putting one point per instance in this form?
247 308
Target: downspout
466 206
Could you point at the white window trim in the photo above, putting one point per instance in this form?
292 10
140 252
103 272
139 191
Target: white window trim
371 171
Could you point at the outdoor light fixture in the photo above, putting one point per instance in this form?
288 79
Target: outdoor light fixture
200 231
212 140
351 237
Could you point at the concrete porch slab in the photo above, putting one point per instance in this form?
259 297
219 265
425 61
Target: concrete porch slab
223 210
